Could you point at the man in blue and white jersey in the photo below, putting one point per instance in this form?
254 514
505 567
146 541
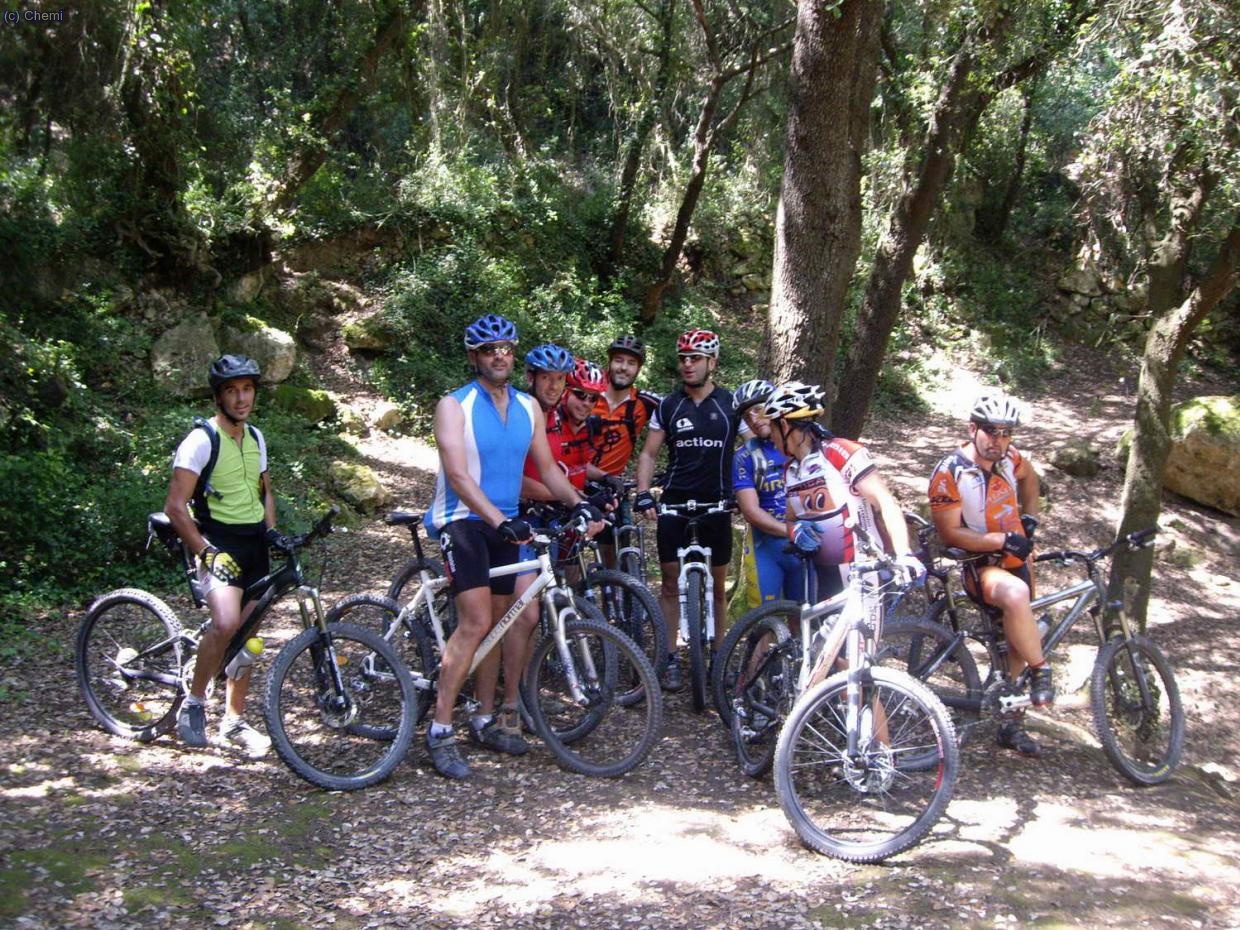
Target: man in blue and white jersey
758 483
484 431
698 424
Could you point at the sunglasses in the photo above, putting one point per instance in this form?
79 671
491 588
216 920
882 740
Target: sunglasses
691 358
584 396
998 432
498 348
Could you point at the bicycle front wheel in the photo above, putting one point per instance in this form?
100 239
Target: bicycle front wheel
411 640
1137 710
628 605
695 617
340 707
607 738
867 805
128 664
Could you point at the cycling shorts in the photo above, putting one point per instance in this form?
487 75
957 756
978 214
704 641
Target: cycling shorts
470 550
247 545
714 530
780 573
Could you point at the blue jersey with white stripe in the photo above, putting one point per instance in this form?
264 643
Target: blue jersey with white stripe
495 452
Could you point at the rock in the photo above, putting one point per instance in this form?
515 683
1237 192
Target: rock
1081 281
181 355
314 405
1077 458
1204 464
754 282
246 288
371 334
273 349
386 416
358 485
351 421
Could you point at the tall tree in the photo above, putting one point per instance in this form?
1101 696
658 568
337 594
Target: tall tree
964 97
1160 173
738 47
818 221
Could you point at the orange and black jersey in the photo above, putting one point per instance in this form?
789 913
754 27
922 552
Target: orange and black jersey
988 499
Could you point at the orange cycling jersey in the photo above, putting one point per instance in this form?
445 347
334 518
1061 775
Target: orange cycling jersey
618 429
987 500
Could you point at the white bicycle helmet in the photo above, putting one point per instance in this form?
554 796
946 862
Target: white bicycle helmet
795 400
995 410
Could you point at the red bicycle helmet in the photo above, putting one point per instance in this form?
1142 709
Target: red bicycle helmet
698 342
586 376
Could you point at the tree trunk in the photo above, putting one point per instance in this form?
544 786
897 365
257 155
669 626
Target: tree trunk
905 230
307 161
992 221
637 144
1176 315
703 141
818 222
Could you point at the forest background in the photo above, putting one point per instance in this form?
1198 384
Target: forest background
844 189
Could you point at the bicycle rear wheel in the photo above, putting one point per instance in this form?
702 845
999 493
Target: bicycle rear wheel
931 653
870 806
775 617
340 707
765 693
128 664
695 616
412 641
607 738
628 605
1137 710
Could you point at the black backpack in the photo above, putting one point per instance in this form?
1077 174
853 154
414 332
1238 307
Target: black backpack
198 503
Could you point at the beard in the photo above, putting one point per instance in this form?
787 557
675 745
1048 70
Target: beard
620 381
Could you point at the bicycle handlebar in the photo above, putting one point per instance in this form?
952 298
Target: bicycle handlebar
694 509
321 528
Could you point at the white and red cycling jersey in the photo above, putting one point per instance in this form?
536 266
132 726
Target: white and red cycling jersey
823 487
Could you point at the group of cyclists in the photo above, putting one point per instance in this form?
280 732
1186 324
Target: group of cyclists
568 439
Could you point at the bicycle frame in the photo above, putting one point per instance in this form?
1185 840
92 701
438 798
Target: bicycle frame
695 558
546 585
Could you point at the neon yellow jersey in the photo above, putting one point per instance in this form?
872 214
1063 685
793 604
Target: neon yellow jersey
236 477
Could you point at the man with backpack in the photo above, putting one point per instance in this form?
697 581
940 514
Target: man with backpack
221 505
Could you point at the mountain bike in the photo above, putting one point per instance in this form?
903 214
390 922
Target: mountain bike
578 673
866 761
1134 699
333 723
695 587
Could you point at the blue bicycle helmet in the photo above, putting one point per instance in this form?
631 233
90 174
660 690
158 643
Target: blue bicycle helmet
488 329
549 357
752 392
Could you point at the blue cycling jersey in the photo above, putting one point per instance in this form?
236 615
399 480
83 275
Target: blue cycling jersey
495 450
760 466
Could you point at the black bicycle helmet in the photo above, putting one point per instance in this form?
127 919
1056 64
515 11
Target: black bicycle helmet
627 343
227 367
750 393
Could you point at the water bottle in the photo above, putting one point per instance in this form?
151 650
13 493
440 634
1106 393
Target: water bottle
244 658
1044 624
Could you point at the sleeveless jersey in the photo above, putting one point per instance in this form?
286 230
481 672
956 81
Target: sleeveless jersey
495 451
823 487
988 500
699 442
760 466
236 477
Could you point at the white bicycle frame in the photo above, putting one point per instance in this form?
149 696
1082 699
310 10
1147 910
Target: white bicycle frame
544 585
699 564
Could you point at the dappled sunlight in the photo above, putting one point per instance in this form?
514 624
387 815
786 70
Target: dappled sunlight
1059 836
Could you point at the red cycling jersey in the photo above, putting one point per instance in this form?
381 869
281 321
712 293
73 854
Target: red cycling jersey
571 448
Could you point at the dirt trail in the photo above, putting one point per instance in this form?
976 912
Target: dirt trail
105 834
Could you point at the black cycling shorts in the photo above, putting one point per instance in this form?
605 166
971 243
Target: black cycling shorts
470 550
246 546
714 530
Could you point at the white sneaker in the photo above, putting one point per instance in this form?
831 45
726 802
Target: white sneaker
234 731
